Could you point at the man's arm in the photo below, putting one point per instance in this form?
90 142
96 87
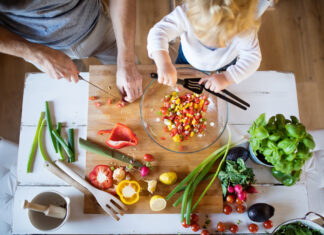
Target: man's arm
123 16
55 63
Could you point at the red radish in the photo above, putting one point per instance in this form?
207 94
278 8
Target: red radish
97 104
230 189
145 171
251 189
242 195
238 188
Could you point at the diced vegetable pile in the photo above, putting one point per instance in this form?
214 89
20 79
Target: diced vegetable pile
183 115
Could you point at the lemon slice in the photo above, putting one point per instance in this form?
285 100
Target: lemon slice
157 203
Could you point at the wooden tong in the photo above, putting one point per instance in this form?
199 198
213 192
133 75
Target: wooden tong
193 85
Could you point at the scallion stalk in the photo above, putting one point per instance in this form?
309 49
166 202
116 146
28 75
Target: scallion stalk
49 124
33 149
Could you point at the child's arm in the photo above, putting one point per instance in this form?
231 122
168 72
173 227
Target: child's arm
167 74
170 27
248 62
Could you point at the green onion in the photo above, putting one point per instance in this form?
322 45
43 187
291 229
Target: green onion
49 124
40 142
34 145
71 144
217 171
58 145
194 172
63 144
184 201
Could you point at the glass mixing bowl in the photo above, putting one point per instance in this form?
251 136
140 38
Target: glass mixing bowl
152 100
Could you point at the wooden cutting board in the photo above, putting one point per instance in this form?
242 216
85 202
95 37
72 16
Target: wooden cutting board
106 116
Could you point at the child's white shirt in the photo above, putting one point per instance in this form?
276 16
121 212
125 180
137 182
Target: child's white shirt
246 48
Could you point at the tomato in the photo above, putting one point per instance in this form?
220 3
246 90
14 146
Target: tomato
162 138
101 177
194 218
204 232
184 224
230 198
253 228
268 224
195 227
97 104
238 201
148 157
221 227
227 210
121 104
234 228
93 97
240 209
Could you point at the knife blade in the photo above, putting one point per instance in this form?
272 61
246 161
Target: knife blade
81 78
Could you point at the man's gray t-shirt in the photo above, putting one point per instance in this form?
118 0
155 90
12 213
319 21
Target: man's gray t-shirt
55 23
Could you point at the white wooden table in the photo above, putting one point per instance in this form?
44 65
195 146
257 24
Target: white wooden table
268 92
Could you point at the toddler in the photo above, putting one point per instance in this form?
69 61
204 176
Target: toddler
218 36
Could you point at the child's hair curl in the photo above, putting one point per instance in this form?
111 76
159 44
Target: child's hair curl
216 22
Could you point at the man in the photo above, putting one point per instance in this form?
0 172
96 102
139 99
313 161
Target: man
50 33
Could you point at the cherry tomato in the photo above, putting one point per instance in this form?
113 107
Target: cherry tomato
121 104
184 224
240 209
97 104
195 227
238 201
204 232
148 157
221 227
93 97
194 218
234 228
268 224
230 199
227 210
253 228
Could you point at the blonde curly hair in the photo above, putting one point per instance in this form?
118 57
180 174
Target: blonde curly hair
216 22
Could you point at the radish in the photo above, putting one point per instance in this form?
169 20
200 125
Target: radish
145 171
238 188
230 189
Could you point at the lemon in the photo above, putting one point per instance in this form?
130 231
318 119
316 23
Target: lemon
168 178
157 203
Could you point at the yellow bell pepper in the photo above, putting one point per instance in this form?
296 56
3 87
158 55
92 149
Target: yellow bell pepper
128 191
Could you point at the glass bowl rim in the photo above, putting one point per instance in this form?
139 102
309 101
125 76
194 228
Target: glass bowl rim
152 138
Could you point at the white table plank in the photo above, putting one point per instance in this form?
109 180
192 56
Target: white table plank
266 92
70 99
283 199
40 176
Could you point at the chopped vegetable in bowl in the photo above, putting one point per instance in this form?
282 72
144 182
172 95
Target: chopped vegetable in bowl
183 115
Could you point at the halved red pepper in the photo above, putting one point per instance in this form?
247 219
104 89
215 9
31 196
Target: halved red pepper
101 177
121 136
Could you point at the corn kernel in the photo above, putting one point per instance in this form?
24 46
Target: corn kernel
192 134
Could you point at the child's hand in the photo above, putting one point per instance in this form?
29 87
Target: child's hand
167 74
215 82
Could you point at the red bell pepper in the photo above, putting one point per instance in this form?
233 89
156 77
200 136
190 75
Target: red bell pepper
101 132
101 177
121 136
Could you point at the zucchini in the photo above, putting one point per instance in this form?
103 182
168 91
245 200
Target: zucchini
94 148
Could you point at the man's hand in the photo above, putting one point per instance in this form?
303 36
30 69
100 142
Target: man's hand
215 82
56 64
129 82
